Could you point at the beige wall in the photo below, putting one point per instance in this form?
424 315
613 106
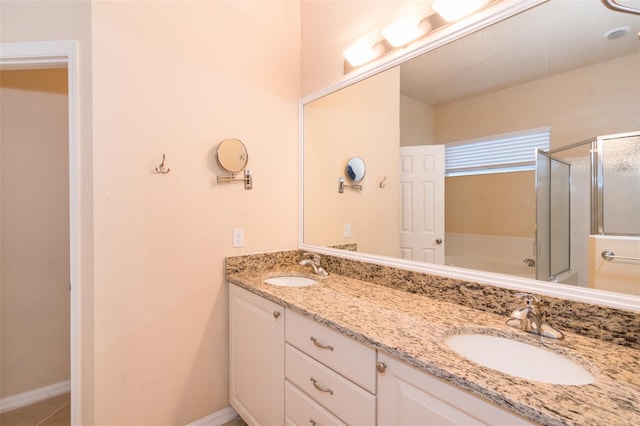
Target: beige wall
172 77
417 122
34 271
560 101
359 121
493 204
178 77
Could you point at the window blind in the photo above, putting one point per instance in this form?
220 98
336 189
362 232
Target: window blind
494 154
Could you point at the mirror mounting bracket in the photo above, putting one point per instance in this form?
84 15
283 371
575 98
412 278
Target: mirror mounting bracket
341 186
248 179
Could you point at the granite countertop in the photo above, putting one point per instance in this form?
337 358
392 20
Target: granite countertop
413 327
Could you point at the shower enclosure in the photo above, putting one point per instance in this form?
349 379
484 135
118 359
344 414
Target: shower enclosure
583 189
552 216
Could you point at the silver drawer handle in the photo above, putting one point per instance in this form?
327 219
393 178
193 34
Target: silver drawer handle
320 388
320 345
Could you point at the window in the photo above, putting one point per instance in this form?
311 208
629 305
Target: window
508 152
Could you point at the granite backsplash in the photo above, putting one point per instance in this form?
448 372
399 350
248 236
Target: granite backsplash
612 325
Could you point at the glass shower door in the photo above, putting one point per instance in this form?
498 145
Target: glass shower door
552 216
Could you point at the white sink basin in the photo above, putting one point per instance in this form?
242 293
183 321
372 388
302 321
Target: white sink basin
290 281
519 359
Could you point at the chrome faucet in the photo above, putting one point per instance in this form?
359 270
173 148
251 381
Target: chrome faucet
315 263
528 318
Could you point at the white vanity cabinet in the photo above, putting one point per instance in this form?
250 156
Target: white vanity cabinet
408 396
256 357
334 371
286 369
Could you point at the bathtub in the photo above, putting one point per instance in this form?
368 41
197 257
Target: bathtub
515 269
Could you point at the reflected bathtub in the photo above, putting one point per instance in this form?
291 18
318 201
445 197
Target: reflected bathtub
519 269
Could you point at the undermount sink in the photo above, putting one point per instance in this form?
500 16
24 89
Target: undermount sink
519 359
291 281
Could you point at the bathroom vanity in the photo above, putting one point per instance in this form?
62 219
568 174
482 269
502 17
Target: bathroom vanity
350 351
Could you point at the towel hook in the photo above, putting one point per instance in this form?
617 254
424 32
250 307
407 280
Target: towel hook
160 169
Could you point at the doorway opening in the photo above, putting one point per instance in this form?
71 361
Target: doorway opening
39 56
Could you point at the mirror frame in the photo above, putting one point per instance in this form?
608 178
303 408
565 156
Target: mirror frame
482 19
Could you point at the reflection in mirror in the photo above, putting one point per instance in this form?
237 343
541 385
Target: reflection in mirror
548 67
552 218
355 169
231 155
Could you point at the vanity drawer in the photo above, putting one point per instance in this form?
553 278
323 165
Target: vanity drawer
339 352
345 399
302 410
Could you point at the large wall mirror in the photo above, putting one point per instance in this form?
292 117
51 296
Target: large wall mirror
569 70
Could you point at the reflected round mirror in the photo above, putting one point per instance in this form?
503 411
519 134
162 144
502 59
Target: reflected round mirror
232 156
355 169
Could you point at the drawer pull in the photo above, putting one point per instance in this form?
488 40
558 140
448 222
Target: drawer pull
381 367
313 422
276 314
320 345
320 388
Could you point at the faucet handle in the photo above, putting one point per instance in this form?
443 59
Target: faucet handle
530 301
314 256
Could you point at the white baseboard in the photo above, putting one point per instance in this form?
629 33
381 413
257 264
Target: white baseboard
36 395
218 418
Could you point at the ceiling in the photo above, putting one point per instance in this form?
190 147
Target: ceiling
552 38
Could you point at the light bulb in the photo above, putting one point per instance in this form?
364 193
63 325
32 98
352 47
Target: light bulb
405 30
362 52
452 10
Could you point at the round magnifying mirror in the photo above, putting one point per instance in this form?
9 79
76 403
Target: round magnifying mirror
232 156
355 169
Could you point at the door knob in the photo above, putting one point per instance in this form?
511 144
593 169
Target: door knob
438 241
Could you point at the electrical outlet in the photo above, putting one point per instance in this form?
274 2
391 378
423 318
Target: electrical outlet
347 230
238 237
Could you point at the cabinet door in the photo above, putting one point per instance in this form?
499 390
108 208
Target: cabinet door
408 396
256 358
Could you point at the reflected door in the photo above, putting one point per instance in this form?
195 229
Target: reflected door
422 203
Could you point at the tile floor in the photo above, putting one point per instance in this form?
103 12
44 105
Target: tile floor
235 422
50 412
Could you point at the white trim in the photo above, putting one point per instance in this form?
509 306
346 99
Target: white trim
501 10
23 399
55 54
218 418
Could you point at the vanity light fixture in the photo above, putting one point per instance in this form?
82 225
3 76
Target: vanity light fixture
363 52
452 10
406 30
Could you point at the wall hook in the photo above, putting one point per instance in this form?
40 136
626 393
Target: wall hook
382 184
160 169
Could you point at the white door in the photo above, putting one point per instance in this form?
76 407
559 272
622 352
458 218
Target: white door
422 203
